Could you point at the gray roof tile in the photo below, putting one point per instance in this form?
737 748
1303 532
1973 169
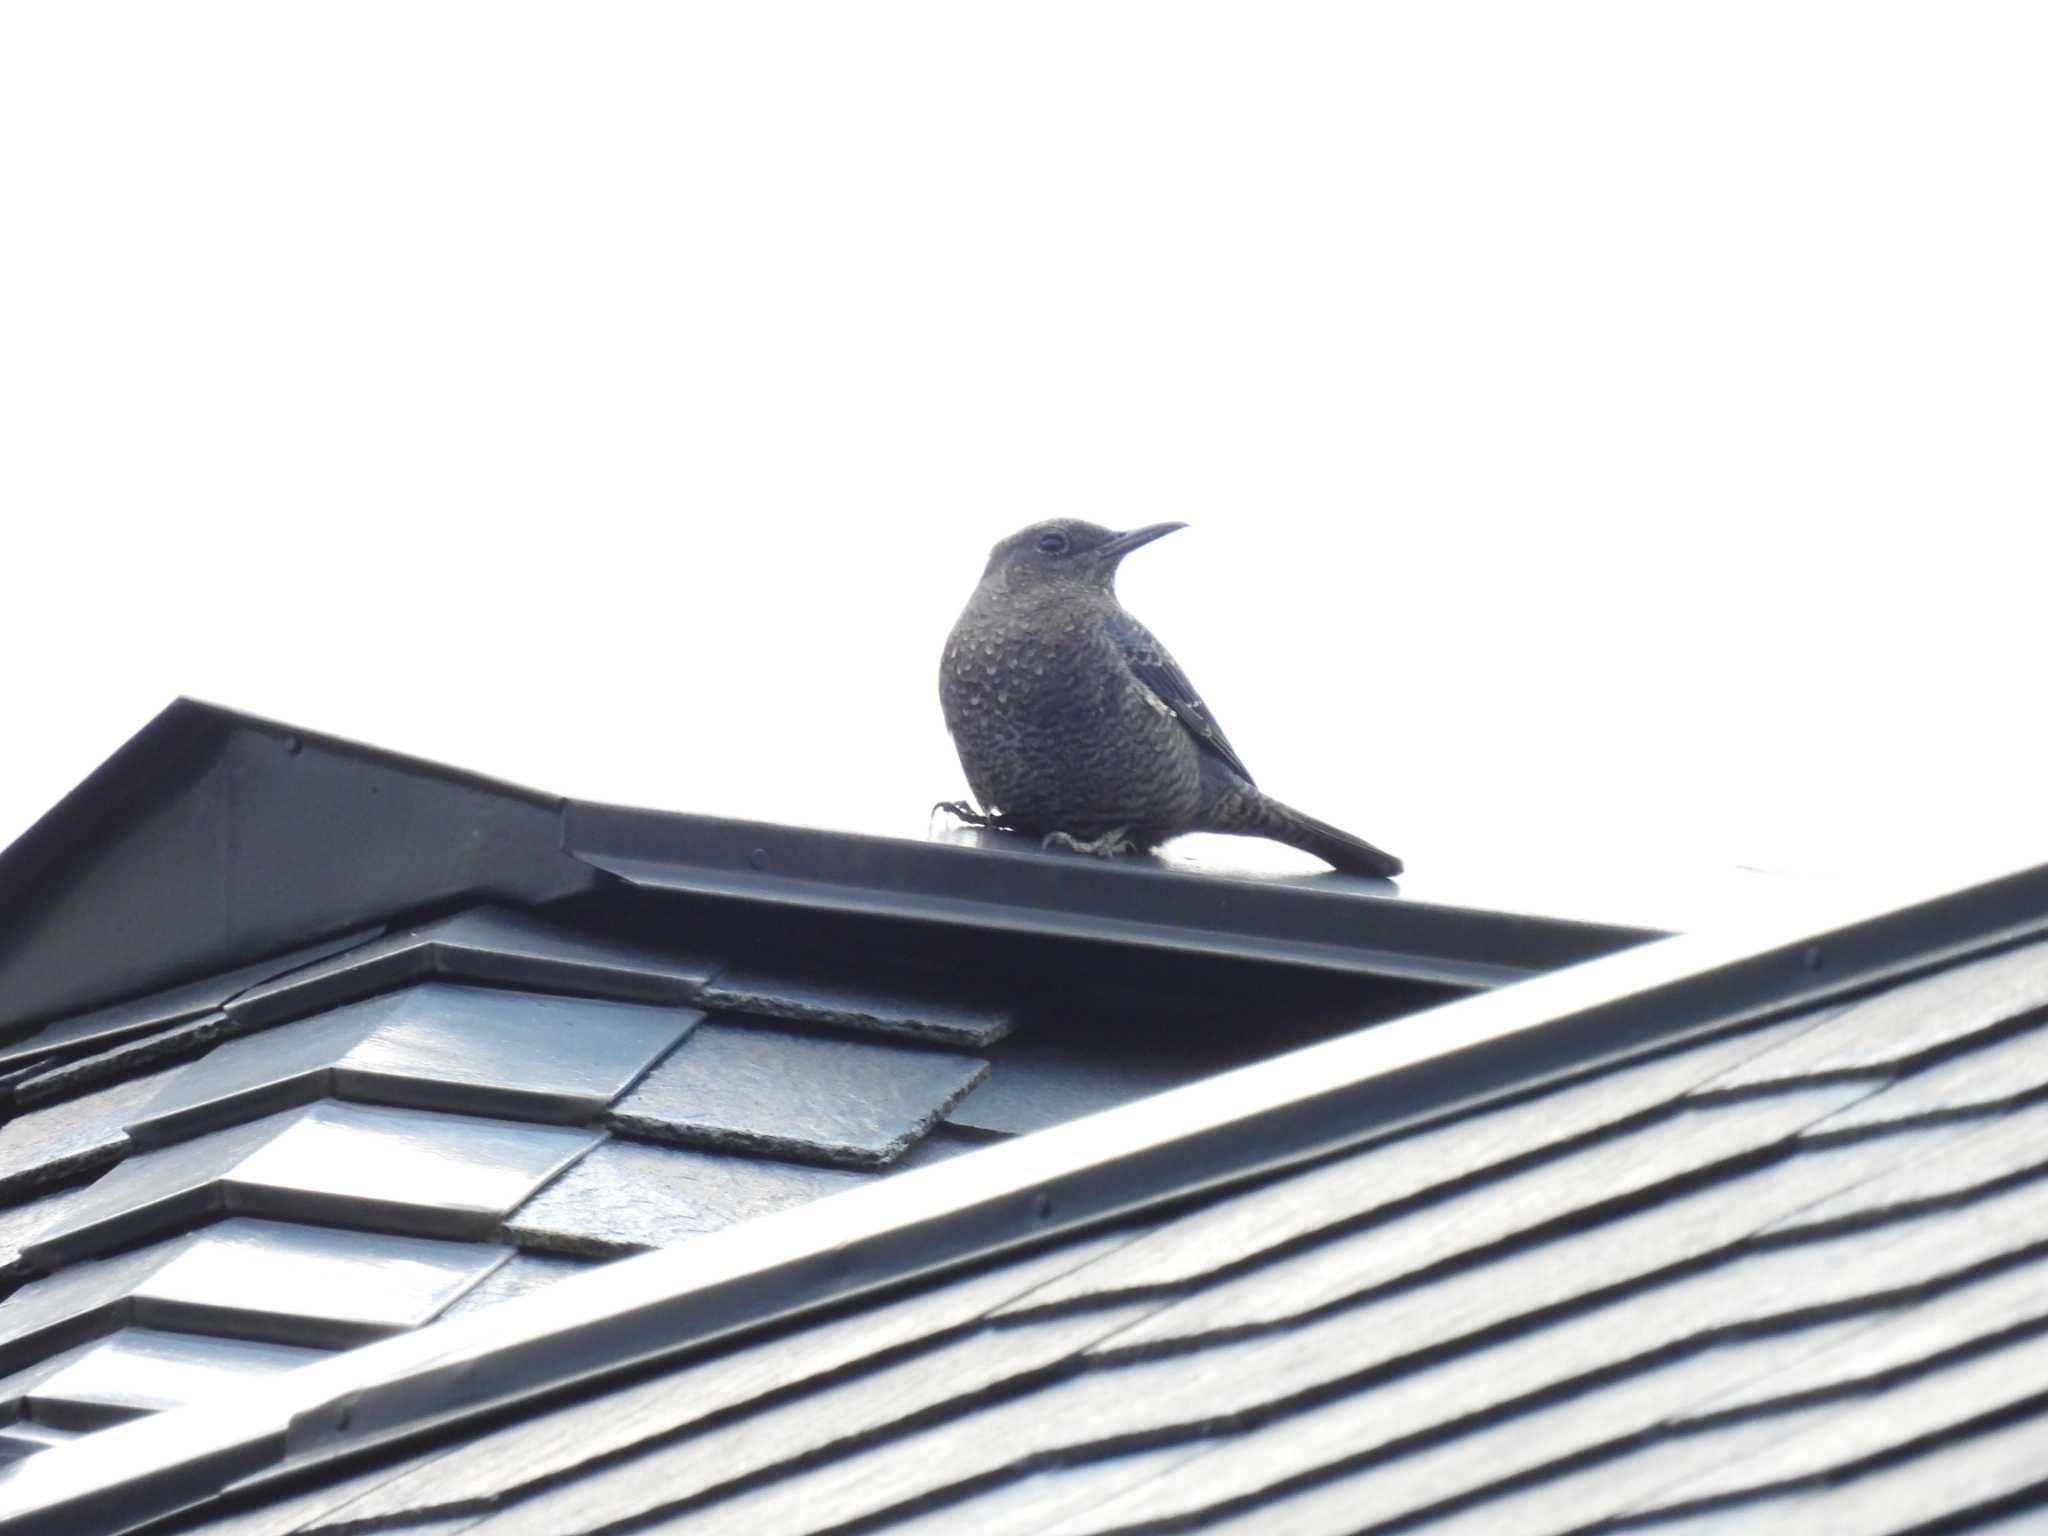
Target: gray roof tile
976 1367
1905 1023
434 1046
933 1011
254 1279
752 1088
143 1370
130 1058
1670 1281
536 1451
1990 1078
306 1285
102 1027
490 945
628 1196
1408 1167
361 1165
59 1141
26 1437
520 1275
1848 1432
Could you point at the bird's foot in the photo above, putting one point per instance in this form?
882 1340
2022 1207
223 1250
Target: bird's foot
960 810
1112 844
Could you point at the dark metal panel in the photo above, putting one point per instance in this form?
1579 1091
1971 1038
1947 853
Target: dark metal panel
489 945
357 1165
188 852
628 1196
143 1015
435 1045
1040 1078
1325 922
943 1012
752 1088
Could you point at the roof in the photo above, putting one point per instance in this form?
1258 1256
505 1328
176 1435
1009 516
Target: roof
1787 1276
307 1044
1588 1248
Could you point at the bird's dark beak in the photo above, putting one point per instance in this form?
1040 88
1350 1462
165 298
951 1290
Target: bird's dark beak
1124 543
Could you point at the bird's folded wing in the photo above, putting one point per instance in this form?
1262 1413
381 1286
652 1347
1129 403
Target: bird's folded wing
1153 666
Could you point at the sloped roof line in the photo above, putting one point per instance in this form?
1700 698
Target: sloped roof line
1221 1131
193 838
1326 922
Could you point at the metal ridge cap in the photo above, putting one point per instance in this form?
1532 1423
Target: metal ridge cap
1332 922
1219 1131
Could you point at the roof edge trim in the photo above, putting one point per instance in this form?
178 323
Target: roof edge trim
1326 922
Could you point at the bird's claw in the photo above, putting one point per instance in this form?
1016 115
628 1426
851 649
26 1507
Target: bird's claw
960 810
1111 845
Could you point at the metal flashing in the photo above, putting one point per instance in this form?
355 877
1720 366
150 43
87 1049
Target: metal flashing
1342 1093
1322 922
194 842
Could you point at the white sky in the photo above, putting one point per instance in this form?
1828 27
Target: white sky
1615 435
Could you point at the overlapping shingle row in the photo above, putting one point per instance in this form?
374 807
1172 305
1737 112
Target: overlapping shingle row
1790 1278
221 1182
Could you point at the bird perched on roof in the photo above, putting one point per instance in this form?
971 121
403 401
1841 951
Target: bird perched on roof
1075 725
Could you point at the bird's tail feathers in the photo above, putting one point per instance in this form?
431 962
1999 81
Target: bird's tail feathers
1334 846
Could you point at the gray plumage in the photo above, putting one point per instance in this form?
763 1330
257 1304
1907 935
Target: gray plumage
1075 724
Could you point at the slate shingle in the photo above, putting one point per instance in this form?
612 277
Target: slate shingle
626 1197
754 1088
492 946
143 1370
262 1280
939 1012
1670 1282
472 1050
352 1165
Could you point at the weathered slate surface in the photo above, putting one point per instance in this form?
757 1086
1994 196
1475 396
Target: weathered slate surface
59 1141
537 1451
627 1197
1765 1283
128 1059
360 1165
782 1093
920 1010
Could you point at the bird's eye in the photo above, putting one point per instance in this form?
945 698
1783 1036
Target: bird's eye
1053 543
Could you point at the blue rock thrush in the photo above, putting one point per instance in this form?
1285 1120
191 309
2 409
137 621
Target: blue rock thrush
1076 726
